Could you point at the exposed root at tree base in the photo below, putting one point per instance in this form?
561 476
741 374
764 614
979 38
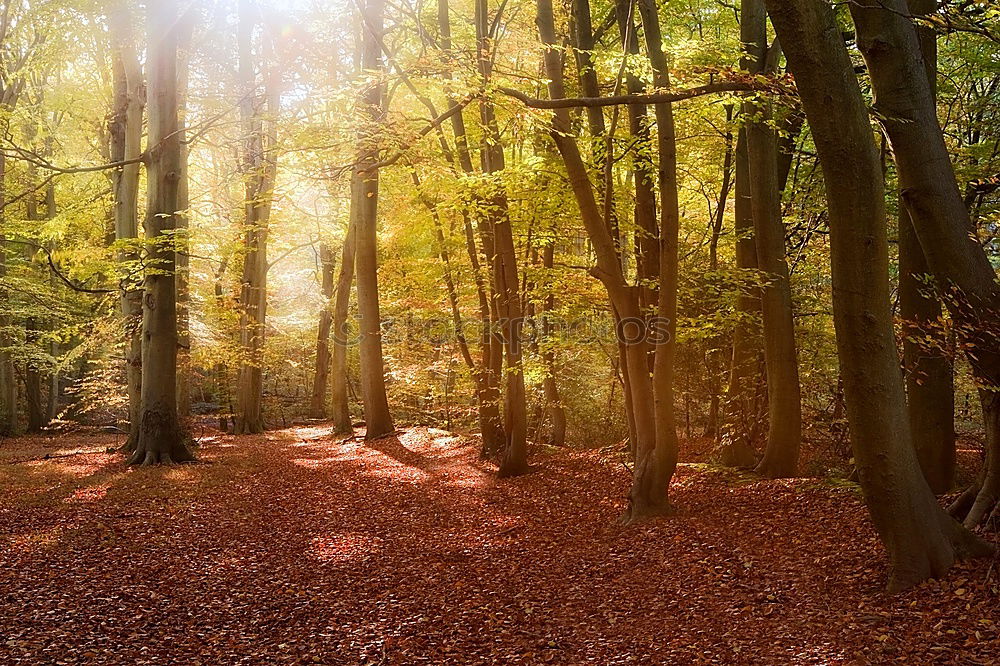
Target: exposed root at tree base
510 470
635 515
147 458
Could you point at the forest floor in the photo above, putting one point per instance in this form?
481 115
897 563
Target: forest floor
296 548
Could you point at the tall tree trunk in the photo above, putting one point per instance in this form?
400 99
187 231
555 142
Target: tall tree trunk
652 476
930 389
259 169
553 403
490 364
506 292
904 100
744 410
784 435
587 73
32 368
160 438
713 354
921 539
52 400
8 376
317 403
125 131
223 395
340 411
11 86
183 239
647 250
378 420
653 467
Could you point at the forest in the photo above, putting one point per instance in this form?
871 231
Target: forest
499 331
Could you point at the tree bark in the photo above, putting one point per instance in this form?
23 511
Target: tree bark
930 386
652 477
183 239
125 131
160 438
714 352
490 364
317 403
744 411
32 329
506 292
553 403
647 247
921 539
655 460
340 411
784 434
904 102
378 419
259 167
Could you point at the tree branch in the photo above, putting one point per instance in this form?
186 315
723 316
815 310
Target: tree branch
650 98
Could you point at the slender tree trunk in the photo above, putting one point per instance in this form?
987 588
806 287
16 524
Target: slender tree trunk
930 386
32 332
125 131
317 403
52 402
490 364
8 377
506 292
784 435
553 403
378 419
183 240
904 100
921 539
651 477
743 407
340 411
259 169
587 73
654 459
160 438
221 371
33 380
713 354
647 254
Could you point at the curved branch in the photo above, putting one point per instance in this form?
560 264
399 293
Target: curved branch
650 98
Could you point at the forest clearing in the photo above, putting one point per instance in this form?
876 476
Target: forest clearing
293 547
499 331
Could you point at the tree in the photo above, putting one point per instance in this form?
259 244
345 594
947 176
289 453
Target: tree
930 389
502 257
364 209
160 438
487 371
327 263
907 113
651 409
259 169
340 409
921 539
784 404
746 377
125 133
16 48
182 237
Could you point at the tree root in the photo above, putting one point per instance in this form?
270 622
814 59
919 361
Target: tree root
509 469
641 512
978 503
148 457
